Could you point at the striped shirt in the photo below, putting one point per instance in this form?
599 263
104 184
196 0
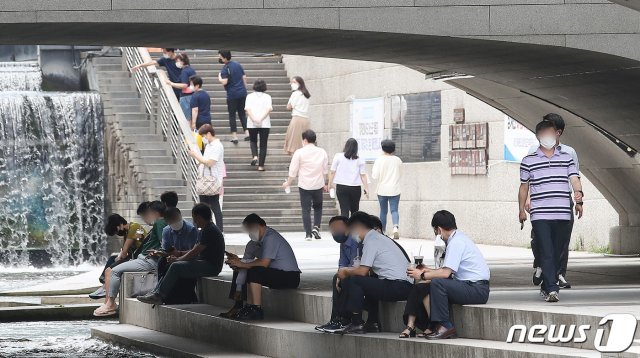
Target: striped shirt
549 184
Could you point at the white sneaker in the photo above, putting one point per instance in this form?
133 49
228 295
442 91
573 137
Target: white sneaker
396 234
308 238
552 297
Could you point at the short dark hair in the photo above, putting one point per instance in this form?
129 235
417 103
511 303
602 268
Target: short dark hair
225 53
362 218
253 218
169 49
545 125
113 221
351 149
309 135
196 80
444 219
376 222
172 213
556 119
388 146
158 207
143 208
260 86
184 58
344 219
207 128
202 211
169 198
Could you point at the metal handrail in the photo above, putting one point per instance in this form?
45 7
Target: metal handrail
165 113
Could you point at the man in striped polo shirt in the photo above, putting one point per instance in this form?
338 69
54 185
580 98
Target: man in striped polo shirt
549 175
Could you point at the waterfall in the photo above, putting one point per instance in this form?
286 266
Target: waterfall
20 76
51 173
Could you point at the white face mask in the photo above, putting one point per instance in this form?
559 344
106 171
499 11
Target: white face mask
357 238
548 142
255 235
179 64
205 140
192 88
166 55
295 86
177 226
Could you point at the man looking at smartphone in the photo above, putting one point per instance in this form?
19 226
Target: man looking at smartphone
204 259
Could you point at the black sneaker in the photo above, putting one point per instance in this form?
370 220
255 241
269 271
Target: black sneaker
234 141
537 280
353 329
334 327
98 294
373 327
316 233
321 328
562 282
250 313
247 138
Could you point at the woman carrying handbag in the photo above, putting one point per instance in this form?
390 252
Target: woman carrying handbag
210 171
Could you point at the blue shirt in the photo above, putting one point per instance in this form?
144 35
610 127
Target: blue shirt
182 240
348 251
201 100
235 87
186 73
278 250
465 259
172 70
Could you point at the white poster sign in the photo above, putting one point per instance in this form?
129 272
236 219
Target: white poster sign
367 126
517 140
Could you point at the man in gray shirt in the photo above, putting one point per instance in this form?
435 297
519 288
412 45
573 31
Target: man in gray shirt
276 268
380 255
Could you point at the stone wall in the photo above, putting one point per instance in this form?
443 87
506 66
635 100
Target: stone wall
485 206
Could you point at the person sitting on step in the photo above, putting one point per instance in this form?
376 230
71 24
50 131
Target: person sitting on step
277 268
238 292
204 259
145 259
463 278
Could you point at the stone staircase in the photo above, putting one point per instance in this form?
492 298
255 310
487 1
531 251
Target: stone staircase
245 189
152 164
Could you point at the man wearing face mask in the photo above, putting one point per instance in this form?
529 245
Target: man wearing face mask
386 259
204 259
547 177
462 279
168 61
277 267
234 80
564 256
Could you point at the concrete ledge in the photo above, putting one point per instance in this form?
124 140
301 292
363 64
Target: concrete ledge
48 313
285 338
68 300
161 343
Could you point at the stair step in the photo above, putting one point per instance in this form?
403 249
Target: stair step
153 153
277 337
165 181
160 159
106 60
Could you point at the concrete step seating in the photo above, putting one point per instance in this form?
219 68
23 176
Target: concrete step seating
291 315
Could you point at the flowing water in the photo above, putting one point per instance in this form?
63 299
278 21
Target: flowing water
51 172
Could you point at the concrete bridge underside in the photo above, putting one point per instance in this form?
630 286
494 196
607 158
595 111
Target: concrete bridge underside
578 58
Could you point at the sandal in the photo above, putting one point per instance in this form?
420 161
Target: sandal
424 334
411 334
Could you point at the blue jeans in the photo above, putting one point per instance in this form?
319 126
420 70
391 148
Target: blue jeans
185 104
385 202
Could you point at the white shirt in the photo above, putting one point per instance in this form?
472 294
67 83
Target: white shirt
386 169
347 171
562 148
300 104
215 151
465 259
260 104
310 165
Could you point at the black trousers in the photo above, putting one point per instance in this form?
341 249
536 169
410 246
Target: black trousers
550 239
564 254
338 303
214 202
360 288
253 141
237 106
446 291
415 306
273 278
348 198
311 199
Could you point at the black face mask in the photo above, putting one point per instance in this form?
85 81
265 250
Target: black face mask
340 238
220 60
123 232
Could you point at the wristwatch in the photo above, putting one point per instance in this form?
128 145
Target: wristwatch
422 276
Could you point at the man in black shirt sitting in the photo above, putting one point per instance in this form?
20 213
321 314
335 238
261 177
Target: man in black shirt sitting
205 259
